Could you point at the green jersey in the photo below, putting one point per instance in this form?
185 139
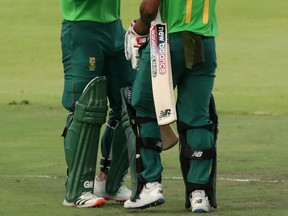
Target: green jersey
103 11
197 16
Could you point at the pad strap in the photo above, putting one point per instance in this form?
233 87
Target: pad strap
68 123
149 143
187 152
112 123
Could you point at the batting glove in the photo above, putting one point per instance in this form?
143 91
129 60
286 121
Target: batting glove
133 42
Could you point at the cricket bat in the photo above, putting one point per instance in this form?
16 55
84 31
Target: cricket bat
161 73
168 136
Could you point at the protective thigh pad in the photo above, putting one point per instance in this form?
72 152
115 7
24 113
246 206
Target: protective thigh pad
187 154
119 160
81 141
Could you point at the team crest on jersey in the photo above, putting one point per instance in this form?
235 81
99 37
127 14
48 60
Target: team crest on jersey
92 63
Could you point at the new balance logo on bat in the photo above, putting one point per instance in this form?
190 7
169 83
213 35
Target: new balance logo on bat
165 113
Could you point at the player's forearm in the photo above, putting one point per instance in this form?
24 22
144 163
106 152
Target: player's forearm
148 12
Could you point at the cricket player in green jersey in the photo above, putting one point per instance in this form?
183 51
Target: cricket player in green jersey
192 27
95 69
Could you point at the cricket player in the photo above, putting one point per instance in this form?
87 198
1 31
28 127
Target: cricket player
192 28
95 69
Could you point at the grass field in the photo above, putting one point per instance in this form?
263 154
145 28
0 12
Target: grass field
252 101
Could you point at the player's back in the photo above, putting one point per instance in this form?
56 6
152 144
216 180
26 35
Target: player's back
197 16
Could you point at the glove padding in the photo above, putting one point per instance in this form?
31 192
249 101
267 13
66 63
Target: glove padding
133 42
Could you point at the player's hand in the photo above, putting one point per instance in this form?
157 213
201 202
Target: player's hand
133 42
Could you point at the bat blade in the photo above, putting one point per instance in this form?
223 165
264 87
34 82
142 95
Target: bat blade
161 73
168 136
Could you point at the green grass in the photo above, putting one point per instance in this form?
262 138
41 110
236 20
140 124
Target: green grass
251 96
251 56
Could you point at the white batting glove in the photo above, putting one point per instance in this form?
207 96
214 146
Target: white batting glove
133 42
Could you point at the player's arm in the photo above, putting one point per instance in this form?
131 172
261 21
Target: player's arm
148 11
137 33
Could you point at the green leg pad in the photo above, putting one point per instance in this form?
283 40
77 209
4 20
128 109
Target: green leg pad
82 138
119 161
187 162
131 142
